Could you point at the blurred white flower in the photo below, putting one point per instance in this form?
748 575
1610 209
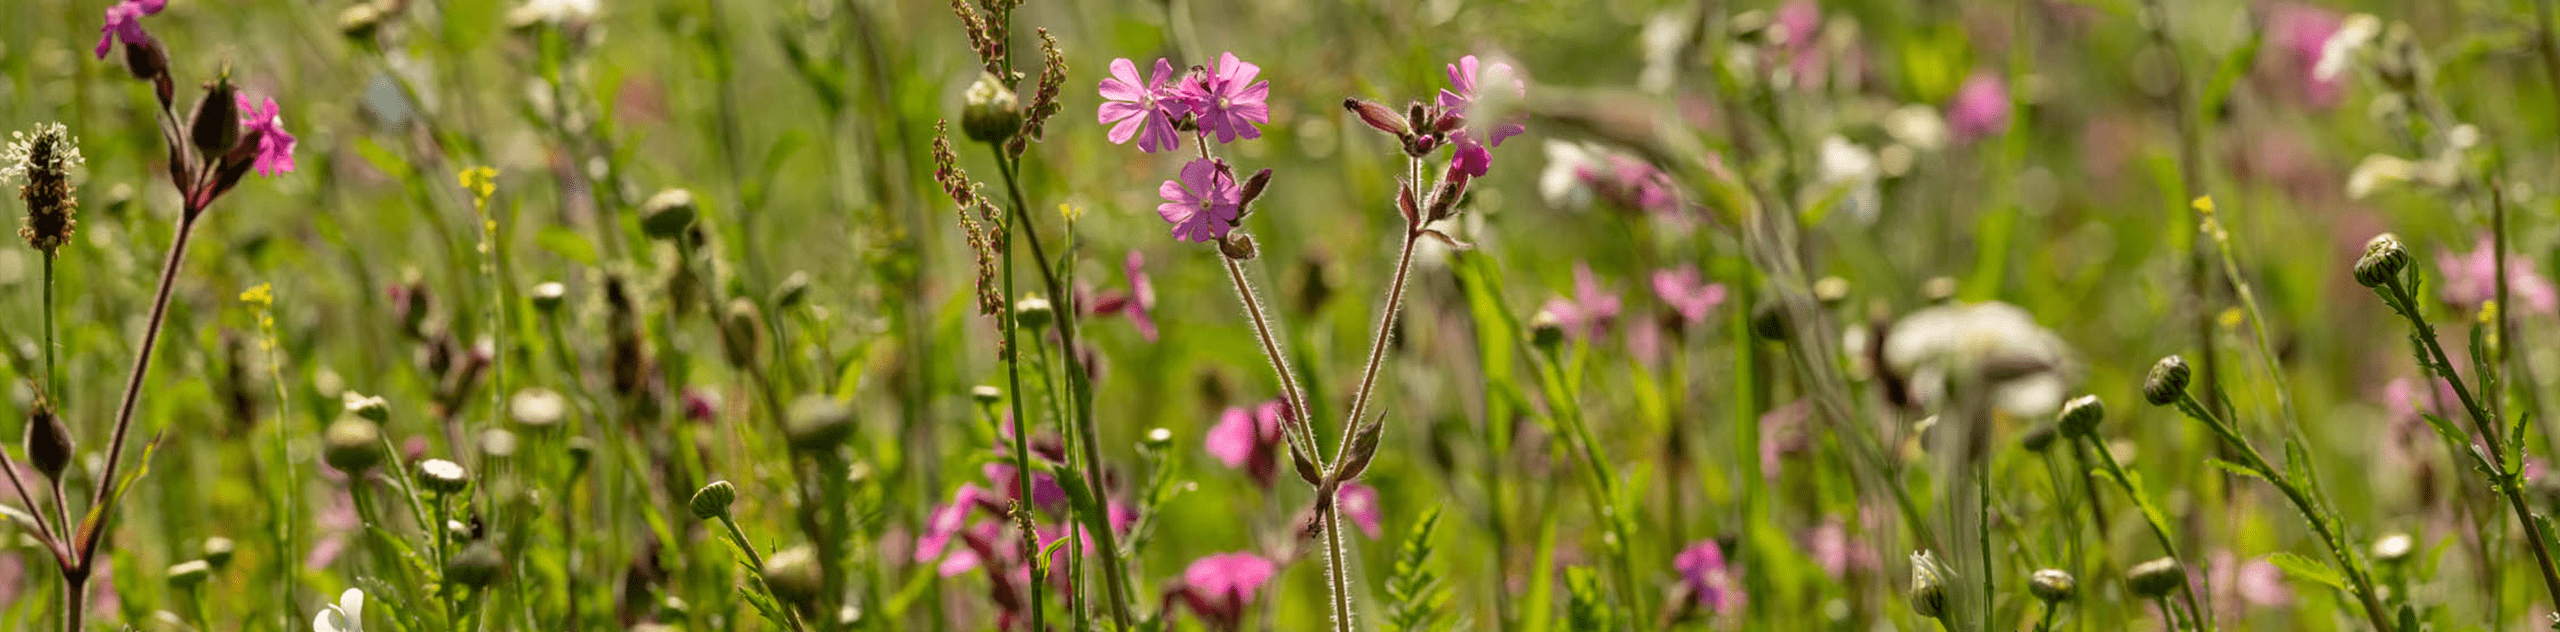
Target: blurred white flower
2351 37
1917 125
2024 361
345 616
1665 36
1844 163
555 12
1561 182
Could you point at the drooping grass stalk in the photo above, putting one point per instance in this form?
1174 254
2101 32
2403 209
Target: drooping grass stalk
2314 509
2509 484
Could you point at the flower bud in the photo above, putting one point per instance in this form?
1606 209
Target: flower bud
2394 548
2081 415
1238 246
1444 201
818 422
189 573
498 443
989 111
537 407
359 22
216 126
1157 439
2040 438
1831 290
548 295
1416 117
1769 321
351 444
793 575
1546 329
582 450
147 61
372 408
1252 190
1377 116
1407 206
1928 586
217 551
667 214
2052 585
713 500
478 565
742 332
793 290
1033 312
2156 578
2382 261
443 477
986 395
48 442
1938 290
2167 382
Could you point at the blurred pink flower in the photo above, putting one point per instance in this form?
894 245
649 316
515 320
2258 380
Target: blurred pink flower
1249 440
13 573
2253 582
1980 107
1217 587
2471 279
1137 303
1681 289
1591 310
275 146
1470 155
2304 30
1838 554
1360 503
1202 205
700 404
1145 111
124 23
1227 100
1702 569
949 518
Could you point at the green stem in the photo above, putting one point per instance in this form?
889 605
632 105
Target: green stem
1021 421
2311 509
2159 531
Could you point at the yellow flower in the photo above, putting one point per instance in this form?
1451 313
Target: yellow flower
262 295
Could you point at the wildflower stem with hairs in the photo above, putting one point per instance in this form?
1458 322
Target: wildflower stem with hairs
2378 271
2314 509
2150 517
1012 324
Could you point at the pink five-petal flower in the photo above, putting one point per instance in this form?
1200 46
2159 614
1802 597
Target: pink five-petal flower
1702 568
1249 440
1980 107
1142 295
1227 100
1202 205
1145 111
1470 155
1680 288
275 146
947 521
124 23
1217 587
1360 503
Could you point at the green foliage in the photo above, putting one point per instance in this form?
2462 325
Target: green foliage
1416 601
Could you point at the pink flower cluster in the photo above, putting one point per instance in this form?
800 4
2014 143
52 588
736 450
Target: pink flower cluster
1225 100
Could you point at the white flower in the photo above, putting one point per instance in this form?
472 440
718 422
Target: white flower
2341 47
1926 346
555 12
1561 183
345 616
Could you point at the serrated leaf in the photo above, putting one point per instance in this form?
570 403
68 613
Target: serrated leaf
2305 568
2236 469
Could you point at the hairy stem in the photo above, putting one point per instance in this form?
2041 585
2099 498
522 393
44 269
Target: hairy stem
2508 484
1021 421
2311 508
95 527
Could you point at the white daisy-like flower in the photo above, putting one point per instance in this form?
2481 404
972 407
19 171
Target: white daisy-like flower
345 616
1928 346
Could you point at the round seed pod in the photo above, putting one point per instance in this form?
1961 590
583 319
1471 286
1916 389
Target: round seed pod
2156 578
2052 585
793 575
2383 260
667 214
352 444
818 422
443 477
2167 381
712 501
476 566
990 112
48 442
2081 415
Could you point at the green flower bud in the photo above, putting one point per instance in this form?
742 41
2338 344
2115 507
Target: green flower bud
537 407
2394 548
667 214
2081 415
742 332
818 422
2052 585
548 295
793 575
359 22
2039 438
986 395
713 500
1033 312
2167 382
794 289
2156 578
217 551
990 112
1157 439
1546 330
582 450
443 477
189 573
1928 586
498 443
476 566
351 444
2383 260
372 408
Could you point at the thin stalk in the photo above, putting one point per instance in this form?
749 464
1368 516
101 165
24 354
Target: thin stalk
2508 484
1021 421
2159 531
2302 501
52 372
106 482
1604 492
1297 431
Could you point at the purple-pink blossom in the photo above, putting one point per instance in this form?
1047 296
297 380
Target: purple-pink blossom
124 23
1709 581
1686 294
275 146
1145 111
1470 155
2304 31
1203 204
1250 440
1360 503
1592 308
1980 107
1217 587
2471 279
1138 303
1227 101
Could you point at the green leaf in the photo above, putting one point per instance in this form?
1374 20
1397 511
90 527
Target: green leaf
2228 74
560 240
2305 568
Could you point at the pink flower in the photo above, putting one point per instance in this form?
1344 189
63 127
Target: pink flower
1143 112
1360 503
1980 107
275 146
1137 303
1703 571
701 405
1217 587
2304 30
1227 100
948 519
1634 184
1249 440
1590 311
1470 156
1202 205
2471 279
1681 289
2254 582
124 23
